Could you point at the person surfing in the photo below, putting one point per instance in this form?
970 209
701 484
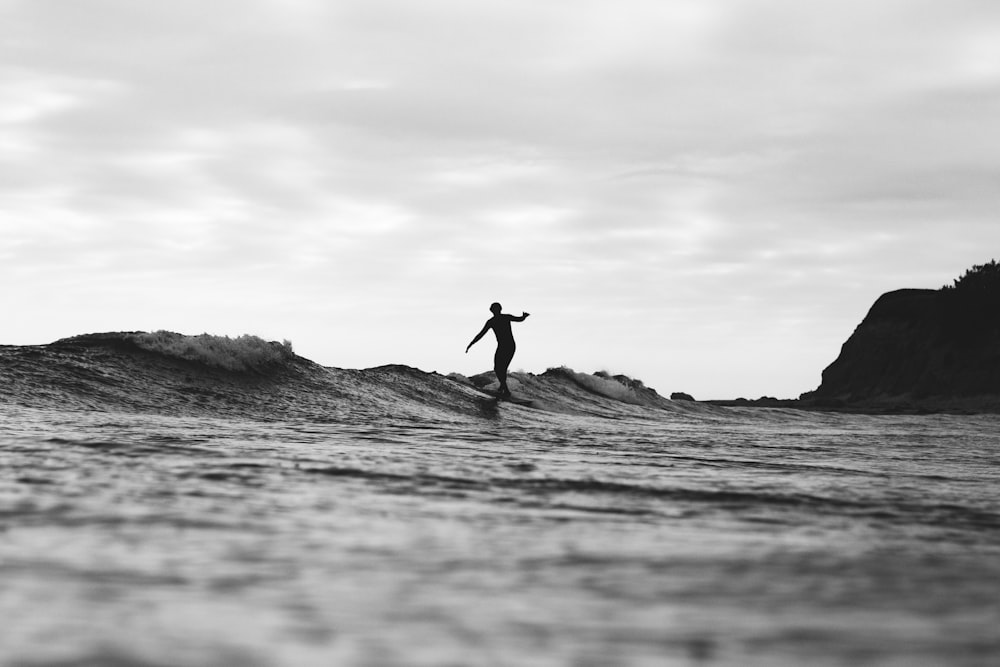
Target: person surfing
500 323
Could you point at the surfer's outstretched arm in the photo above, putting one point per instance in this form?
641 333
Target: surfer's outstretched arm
523 317
486 327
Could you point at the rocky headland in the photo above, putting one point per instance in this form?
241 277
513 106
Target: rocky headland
917 350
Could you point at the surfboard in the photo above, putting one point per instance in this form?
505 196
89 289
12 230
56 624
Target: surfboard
510 399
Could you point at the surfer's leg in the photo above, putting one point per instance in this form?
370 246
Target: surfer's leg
502 377
500 370
501 360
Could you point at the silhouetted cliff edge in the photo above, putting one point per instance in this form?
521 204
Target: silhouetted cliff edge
922 349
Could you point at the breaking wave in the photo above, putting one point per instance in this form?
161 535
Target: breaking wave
170 373
236 354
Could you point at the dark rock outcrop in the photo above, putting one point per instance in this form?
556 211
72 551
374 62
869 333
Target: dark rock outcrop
921 345
681 396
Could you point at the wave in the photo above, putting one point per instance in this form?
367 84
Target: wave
236 354
170 373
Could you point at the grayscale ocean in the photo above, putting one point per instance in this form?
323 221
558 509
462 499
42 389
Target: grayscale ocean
169 500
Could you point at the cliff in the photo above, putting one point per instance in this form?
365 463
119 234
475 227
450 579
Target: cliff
928 347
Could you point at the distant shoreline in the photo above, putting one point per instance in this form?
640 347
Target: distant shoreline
903 405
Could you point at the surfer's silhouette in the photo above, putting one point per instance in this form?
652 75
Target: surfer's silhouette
500 323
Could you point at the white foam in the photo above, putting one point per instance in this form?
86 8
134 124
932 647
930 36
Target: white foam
236 354
604 385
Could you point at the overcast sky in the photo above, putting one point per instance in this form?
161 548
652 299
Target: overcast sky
704 194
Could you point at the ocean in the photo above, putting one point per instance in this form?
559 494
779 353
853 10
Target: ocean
169 500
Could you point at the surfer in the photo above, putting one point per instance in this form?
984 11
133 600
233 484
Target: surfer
500 323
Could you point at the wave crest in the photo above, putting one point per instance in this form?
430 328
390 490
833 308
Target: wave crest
242 353
618 387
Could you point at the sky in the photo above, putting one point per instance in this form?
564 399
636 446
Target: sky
707 195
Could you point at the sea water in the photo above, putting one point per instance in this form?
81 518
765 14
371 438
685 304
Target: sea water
152 513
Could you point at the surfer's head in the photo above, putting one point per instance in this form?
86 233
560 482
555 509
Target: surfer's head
496 308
